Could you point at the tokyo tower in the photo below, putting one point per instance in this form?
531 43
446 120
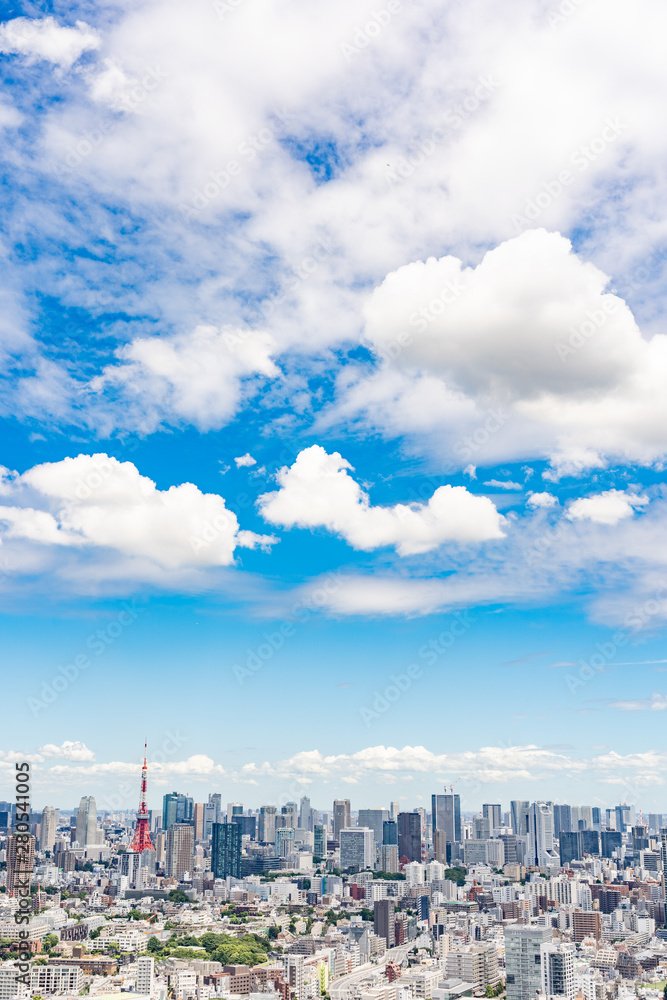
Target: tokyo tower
142 834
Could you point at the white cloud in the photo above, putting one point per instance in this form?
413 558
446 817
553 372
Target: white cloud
94 501
527 354
317 491
68 750
197 377
656 703
542 500
502 764
44 38
609 507
503 484
245 460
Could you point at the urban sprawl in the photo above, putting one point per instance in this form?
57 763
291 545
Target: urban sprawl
204 900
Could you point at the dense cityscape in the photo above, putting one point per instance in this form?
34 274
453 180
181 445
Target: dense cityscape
201 900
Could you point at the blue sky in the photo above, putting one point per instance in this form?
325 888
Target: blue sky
332 401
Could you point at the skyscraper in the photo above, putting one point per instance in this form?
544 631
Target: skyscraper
523 959
180 848
562 820
493 813
342 819
446 815
198 816
47 829
540 850
285 841
86 821
319 841
409 836
357 848
374 819
266 832
390 833
394 810
226 841
519 816
611 841
20 860
305 814
176 808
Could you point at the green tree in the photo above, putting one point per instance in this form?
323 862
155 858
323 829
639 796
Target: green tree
153 946
178 896
50 941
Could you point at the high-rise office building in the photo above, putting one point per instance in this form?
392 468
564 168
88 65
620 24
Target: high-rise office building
248 825
654 822
47 829
394 810
176 808
562 820
481 826
384 920
409 836
374 820
557 969
611 841
440 846
266 833
389 858
290 815
285 839
540 850
86 821
625 816
226 842
523 959
319 841
519 816
342 817
215 801
179 850
234 809
20 859
493 813
305 814
446 815
199 820
357 848
390 832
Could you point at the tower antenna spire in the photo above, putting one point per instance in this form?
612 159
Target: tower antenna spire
142 832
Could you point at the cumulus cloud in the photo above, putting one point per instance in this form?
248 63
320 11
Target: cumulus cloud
609 507
542 500
245 460
44 38
95 501
317 491
531 332
196 377
386 764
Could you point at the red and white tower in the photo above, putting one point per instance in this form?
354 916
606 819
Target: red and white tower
142 833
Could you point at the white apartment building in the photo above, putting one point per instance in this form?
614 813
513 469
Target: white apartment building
56 979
